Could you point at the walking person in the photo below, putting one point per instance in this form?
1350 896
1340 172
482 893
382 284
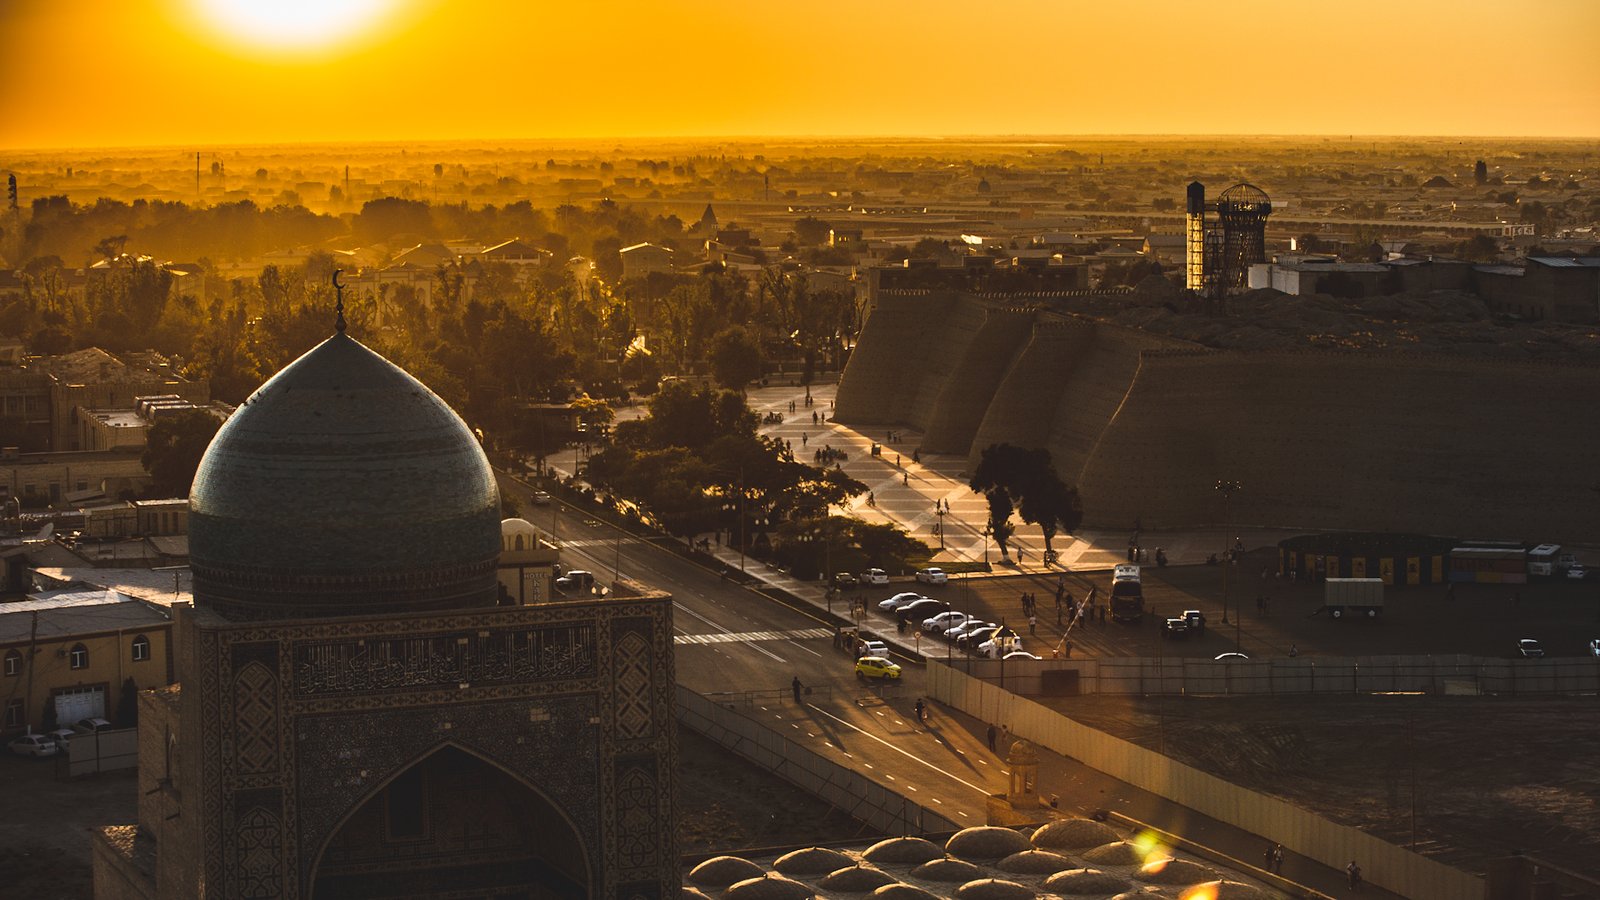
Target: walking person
1277 859
993 734
796 685
1354 871
919 709
1033 625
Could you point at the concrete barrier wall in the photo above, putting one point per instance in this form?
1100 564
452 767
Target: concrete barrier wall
861 797
1306 833
1301 675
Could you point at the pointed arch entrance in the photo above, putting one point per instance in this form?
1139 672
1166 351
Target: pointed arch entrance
453 825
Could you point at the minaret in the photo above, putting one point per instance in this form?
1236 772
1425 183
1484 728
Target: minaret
1195 243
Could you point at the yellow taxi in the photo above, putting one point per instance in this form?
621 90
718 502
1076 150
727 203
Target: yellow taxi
876 667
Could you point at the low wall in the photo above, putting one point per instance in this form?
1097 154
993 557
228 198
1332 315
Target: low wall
106 751
1306 833
1300 675
846 789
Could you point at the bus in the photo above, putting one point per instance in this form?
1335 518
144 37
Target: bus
1488 562
1543 558
1127 594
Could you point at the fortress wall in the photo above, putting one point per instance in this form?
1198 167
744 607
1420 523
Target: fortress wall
1433 444
976 378
1092 396
890 357
933 363
1022 409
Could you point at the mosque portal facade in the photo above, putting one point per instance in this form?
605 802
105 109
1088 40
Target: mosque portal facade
357 715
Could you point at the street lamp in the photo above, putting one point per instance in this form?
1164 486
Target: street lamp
987 530
1226 488
939 511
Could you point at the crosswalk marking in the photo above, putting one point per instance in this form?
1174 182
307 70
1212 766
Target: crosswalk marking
747 636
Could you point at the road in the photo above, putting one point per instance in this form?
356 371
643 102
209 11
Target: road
736 642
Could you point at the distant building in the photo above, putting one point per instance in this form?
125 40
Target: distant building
66 654
640 260
980 275
1220 250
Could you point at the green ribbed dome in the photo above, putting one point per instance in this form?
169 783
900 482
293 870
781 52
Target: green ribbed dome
343 486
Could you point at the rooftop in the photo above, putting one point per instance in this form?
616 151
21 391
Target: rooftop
73 611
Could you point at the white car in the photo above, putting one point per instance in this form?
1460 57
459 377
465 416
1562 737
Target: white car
971 624
1529 648
944 622
62 737
904 598
875 648
1577 572
874 576
541 498
1020 654
91 725
932 575
35 745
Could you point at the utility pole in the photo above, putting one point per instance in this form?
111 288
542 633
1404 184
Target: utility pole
741 520
1226 489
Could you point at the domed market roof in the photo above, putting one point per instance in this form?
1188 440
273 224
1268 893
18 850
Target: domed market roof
343 486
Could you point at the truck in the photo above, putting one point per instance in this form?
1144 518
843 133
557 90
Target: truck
1127 594
1353 597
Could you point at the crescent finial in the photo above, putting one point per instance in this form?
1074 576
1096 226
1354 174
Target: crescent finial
338 289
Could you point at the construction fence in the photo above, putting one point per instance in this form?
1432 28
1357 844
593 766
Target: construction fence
1306 833
845 789
1464 675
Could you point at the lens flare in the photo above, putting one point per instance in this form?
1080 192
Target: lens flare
295 25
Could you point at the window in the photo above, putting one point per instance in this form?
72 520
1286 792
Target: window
15 714
13 663
80 656
141 648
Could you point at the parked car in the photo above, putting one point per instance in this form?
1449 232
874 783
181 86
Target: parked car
576 580
91 725
898 600
874 576
35 745
842 580
955 633
1020 654
876 667
976 636
944 621
1528 648
62 737
541 498
921 609
932 575
873 647
1230 656
1577 572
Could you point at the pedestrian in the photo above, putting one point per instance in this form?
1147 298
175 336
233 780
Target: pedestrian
1277 858
796 685
1354 871
919 709
871 499
804 438
992 735
905 478
897 460
1266 858
1293 651
1033 624
1019 556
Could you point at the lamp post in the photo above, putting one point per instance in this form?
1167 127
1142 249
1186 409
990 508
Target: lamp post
1226 488
987 530
939 512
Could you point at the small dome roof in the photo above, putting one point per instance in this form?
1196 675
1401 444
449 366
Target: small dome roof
811 861
343 486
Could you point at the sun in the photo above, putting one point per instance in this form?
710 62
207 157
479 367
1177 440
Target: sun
296 26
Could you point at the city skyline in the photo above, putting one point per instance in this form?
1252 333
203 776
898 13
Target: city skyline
176 72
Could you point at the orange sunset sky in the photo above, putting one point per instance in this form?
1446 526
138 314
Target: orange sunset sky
182 72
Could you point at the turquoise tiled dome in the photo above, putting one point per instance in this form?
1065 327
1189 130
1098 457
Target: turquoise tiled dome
343 486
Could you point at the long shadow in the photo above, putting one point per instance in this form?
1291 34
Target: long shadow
938 735
826 727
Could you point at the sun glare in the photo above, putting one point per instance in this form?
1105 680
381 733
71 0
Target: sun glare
296 26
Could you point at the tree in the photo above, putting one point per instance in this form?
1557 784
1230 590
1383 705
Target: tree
174 447
1480 172
735 358
1006 472
810 231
